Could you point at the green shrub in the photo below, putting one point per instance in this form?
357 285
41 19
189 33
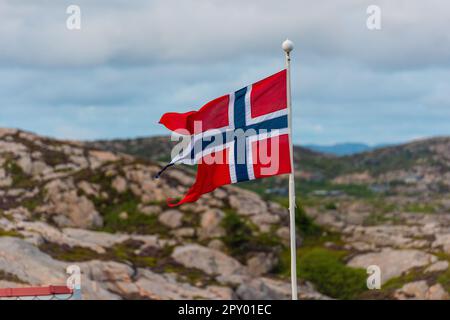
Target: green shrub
444 280
11 233
238 233
306 225
420 208
135 222
330 275
330 206
241 236
19 178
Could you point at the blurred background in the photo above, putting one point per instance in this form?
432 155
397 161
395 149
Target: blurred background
371 123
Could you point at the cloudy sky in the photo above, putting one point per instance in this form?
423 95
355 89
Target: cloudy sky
134 60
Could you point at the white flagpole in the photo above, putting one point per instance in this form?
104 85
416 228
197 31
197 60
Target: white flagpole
288 46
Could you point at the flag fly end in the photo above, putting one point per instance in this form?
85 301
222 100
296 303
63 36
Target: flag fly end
163 169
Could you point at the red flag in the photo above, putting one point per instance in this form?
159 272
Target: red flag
237 137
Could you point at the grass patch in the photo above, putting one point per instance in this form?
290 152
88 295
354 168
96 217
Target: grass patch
444 277
395 283
240 238
123 252
136 221
330 206
19 178
64 252
311 233
417 274
157 260
375 219
4 233
420 208
305 225
326 269
31 204
444 280
190 275
150 257
307 187
117 203
238 233
6 276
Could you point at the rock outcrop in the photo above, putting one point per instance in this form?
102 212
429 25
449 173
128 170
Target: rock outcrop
393 263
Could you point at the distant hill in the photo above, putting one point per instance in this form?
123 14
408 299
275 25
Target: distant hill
341 149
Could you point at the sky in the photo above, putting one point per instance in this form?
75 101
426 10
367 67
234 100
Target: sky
132 61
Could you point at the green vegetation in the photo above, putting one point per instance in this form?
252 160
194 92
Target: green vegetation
135 222
148 258
191 219
50 157
323 267
331 276
241 237
444 280
330 206
11 233
191 275
238 233
64 252
308 230
19 178
116 204
155 259
6 276
355 190
31 203
416 274
378 162
306 188
122 252
395 283
326 269
376 219
420 208
444 277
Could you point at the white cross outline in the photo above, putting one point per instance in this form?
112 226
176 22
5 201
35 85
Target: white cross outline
249 140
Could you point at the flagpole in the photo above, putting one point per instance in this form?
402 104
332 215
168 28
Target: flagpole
288 46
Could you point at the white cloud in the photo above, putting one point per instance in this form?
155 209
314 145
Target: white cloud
134 60
150 32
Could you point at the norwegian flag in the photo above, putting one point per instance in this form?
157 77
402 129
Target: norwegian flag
237 137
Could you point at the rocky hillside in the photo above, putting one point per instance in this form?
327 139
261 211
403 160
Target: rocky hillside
62 203
422 165
388 207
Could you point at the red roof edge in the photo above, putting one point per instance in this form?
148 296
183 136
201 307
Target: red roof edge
35 291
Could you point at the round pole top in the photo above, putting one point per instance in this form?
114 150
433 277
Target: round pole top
287 46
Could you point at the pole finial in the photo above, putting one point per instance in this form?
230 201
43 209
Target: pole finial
287 46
